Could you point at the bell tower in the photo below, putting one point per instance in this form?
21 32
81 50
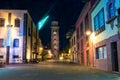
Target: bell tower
55 39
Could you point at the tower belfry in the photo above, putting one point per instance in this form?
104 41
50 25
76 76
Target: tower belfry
55 38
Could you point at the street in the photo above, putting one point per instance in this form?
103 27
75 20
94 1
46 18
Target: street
53 71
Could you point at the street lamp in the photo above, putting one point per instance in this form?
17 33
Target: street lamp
88 33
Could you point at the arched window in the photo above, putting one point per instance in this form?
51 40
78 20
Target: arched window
111 10
17 22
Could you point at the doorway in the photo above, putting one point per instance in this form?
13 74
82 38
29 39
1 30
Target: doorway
88 57
114 56
82 58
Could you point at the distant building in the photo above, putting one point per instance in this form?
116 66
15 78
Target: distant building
18 36
55 38
73 48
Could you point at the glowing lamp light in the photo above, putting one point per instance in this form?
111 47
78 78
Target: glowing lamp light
88 32
61 58
42 22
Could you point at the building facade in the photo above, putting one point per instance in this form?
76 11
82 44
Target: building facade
73 48
83 24
105 17
55 39
18 36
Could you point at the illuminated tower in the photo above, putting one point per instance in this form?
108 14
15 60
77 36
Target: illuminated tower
55 38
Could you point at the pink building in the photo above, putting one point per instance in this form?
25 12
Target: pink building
83 24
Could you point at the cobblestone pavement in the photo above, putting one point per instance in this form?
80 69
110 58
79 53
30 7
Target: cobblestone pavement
54 71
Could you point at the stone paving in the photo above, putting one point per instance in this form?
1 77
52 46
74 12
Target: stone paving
54 71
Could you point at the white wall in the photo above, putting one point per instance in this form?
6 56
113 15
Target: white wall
108 32
15 33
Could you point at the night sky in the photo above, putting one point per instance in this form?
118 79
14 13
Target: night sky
64 11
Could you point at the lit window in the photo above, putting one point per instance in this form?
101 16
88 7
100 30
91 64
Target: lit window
17 22
16 43
101 52
2 22
1 43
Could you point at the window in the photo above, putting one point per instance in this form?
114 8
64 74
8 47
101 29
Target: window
54 34
78 46
55 44
17 22
81 44
82 58
15 56
96 23
99 22
1 42
2 22
16 43
101 19
81 29
78 33
118 16
29 31
101 52
111 10
86 23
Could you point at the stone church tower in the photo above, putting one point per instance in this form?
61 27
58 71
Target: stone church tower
55 38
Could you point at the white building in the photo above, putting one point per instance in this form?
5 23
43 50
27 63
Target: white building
73 48
18 36
106 41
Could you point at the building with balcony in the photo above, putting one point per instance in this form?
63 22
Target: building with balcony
18 36
105 26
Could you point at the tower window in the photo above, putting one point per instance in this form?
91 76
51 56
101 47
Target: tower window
1 56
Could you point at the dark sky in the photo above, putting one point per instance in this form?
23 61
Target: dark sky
64 11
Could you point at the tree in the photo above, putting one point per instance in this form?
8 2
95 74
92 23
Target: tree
69 33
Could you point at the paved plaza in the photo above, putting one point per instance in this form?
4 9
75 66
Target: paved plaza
54 71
